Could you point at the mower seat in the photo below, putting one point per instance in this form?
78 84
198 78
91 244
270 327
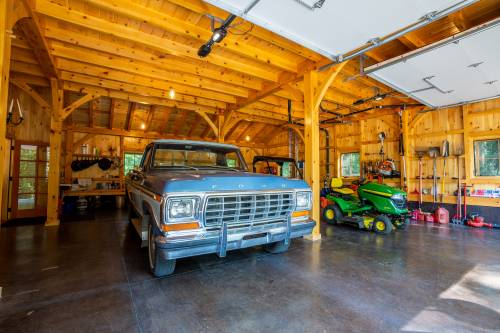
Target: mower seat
336 185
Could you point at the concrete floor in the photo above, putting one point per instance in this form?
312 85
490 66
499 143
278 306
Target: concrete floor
92 277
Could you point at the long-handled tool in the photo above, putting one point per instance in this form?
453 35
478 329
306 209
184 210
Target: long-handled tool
420 155
402 147
445 152
457 218
433 153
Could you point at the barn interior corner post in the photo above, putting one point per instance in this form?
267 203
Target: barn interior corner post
56 123
5 52
311 145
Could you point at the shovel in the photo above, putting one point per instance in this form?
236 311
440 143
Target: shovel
433 153
445 152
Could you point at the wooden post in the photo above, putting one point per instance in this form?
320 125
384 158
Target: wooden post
5 49
468 148
220 126
406 146
55 154
311 145
68 157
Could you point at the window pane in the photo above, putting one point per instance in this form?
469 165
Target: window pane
487 161
350 164
27 169
26 185
131 160
28 152
25 201
43 169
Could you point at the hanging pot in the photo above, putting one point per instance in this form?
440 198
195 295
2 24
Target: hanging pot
75 165
104 163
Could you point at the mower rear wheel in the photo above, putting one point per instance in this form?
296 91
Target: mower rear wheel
382 225
332 214
402 223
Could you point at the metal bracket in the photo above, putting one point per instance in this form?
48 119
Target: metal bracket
431 86
288 232
223 240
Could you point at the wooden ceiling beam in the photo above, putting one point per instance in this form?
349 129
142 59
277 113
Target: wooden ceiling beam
31 28
138 90
130 116
176 47
181 27
31 92
104 73
170 63
76 104
100 64
203 8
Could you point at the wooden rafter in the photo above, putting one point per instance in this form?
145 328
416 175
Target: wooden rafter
31 28
31 92
76 104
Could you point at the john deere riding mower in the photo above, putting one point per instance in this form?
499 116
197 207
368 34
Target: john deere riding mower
377 207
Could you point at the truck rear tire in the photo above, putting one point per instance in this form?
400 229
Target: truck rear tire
277 247
159 267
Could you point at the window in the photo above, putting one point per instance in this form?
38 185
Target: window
193 156
349 163
131 160
487 158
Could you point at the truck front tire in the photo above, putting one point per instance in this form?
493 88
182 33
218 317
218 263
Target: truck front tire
159 267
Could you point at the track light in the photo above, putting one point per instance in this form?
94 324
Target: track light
217 36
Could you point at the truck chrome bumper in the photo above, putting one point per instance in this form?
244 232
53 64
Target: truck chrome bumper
227 239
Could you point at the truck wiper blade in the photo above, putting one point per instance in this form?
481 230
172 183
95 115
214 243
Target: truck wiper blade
182 166
220 167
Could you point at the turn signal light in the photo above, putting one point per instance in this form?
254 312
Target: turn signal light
180 226
300 213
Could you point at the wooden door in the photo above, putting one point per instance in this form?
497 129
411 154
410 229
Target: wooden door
30 179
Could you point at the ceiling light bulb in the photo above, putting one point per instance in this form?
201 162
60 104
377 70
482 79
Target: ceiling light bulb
143 126
379 97
172 93
217 35
247 138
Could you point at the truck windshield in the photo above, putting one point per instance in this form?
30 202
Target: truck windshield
193 156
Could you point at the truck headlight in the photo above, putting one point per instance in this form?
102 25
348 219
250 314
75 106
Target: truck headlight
398 196
303 201
182 208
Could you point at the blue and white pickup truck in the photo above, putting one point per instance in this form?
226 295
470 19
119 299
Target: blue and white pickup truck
189 198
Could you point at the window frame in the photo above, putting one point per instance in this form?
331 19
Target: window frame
476 156
341 167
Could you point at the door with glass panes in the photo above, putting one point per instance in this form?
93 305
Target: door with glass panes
29 180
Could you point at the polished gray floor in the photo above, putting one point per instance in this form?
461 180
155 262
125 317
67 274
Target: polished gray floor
91 276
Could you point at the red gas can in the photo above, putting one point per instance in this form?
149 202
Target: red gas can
441 215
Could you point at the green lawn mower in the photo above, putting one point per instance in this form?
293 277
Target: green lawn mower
377 207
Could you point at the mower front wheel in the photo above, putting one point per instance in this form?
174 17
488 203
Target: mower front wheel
332 214
401 222
382 225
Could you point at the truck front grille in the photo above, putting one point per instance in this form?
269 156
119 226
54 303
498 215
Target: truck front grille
400 203
248 209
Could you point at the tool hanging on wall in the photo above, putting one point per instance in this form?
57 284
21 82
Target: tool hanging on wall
402 146
10 114
433 153
457 218
445 152
420 155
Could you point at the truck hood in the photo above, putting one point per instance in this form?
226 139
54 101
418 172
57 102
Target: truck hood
166 181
